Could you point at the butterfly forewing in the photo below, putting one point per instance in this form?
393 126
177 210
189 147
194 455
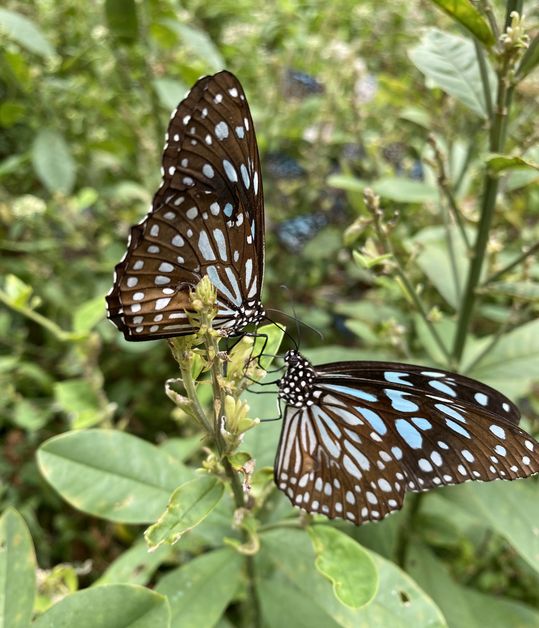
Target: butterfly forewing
352 445
207 218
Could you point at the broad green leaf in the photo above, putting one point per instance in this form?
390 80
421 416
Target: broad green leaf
530 60
399 603
499 163
521 289
464 607
169 92
79 400
200 590
512 509
88 314
109 606
418 116
22 30
17 571
345 564
268 341
53 162
111 474
404 190
261 442
188 506
135 566
450 63
122 19
465 13
513 363
445 330
183 448
30 416
435 261
199 44
347 182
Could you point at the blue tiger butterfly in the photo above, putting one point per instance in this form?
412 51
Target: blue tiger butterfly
358 435
207 218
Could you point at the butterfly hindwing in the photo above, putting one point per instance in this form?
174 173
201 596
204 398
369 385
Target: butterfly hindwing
356 441
207 218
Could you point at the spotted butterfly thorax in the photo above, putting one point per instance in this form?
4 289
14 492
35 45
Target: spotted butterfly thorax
207 218
358 435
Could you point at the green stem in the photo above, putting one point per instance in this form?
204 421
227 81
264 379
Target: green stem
406 529
371 201
488 206
190 389
511 265
485 82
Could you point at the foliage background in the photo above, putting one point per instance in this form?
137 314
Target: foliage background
86 90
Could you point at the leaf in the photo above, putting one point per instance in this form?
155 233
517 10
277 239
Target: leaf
111 474
17 571
78 399
347 182
109 606
465 13
25 33
169 92
530 60
498 163
513 364
512 509
88 314
434 260
404 190
183 448
200 591
188 506
199 44
450 62
462 606
122 19
399 603
346 564
135 566
53 162
268 341
521 289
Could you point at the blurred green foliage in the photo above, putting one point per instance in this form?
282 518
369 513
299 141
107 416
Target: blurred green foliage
345 95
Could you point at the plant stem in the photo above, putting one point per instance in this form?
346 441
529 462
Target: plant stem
511 265
484 77
406 529
488 206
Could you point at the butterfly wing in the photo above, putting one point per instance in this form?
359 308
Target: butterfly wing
207 218
364 442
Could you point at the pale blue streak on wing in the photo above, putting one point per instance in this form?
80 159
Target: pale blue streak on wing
354 392
376 421
395 377
443 388
456 427
409 433
421 423
399 402
216 281
450 412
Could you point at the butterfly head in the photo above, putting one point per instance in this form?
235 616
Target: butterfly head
296 386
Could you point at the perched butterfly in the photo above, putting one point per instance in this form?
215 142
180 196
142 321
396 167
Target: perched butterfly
358 435
207 218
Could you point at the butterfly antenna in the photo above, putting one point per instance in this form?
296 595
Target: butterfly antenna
283 329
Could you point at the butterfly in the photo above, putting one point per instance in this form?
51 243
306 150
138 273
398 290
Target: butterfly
358 435
207 218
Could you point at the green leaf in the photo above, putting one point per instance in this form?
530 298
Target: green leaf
199 44
465 13
88 314
399 602
190 503
510 508
78 399
25 33
17 571
347 182
111 474
53 162
200 591
122 19
135 566
109 606
182 448
498 163
404 190
521 289
513 364
346 564
269 338
462 606
530 60
434 260
451 64
169 92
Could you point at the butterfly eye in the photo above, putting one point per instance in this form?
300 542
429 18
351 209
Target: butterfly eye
207 218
